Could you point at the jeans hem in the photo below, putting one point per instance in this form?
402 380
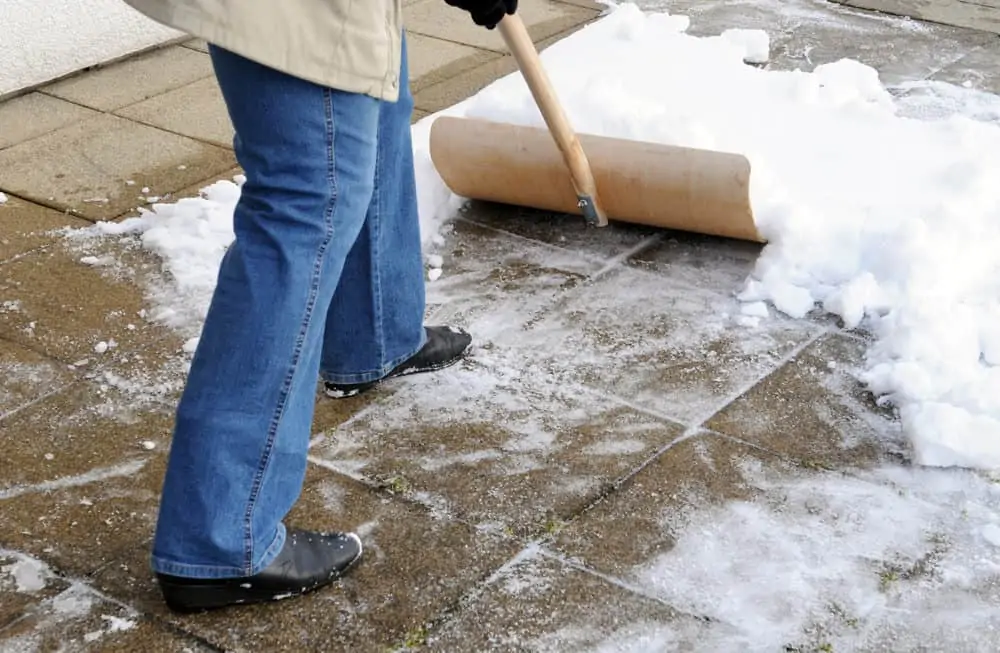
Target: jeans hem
375 375
161 565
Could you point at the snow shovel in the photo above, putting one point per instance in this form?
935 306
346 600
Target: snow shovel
651 184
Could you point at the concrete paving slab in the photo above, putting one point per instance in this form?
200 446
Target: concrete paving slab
73 432
26 226
150 377
543 18
538 603
196 110
25 581
979 69
778 557
497 443
134 79
439 96
27 376
680 351
66 309
79 619
813 410
719 264
494 283
416 565
83 522
433 60
633 526
25 117
433 97
981 14
84 168
805 34
561 230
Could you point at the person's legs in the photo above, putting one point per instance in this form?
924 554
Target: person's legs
238 455
375 322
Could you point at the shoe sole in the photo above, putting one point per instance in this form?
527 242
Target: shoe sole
187 598
354 392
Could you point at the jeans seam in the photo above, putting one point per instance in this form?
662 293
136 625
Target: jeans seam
328 217
375 235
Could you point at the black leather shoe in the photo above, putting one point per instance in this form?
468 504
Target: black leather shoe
445 346
307 561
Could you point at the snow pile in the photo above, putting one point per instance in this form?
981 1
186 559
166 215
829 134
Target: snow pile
190 236
889 221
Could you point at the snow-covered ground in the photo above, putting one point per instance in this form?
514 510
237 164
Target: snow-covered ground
889 221
41 40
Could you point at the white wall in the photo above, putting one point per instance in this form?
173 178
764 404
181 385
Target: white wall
44 39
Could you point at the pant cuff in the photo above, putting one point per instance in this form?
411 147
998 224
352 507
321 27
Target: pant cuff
375 375
162 565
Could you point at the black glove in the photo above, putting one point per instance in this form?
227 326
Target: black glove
485 13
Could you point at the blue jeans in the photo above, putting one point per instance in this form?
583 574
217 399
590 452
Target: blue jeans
324 279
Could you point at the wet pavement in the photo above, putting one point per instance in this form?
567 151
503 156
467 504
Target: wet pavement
620 465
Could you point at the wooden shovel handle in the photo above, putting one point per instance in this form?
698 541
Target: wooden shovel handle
523 49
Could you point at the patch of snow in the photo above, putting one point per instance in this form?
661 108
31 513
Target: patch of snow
615 447
755 309
469 458
893 555
112 624
18 374
127 468
755 43
27 573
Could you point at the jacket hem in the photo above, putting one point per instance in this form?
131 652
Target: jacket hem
220 36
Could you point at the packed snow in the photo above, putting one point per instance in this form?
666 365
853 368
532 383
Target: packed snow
881 210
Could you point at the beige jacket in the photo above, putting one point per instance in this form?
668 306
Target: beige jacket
351 45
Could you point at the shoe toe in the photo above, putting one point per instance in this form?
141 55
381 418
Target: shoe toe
317 557
343 550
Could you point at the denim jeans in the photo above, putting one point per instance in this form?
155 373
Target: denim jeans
323 280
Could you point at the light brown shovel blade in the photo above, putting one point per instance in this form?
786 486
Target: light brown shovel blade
666 186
